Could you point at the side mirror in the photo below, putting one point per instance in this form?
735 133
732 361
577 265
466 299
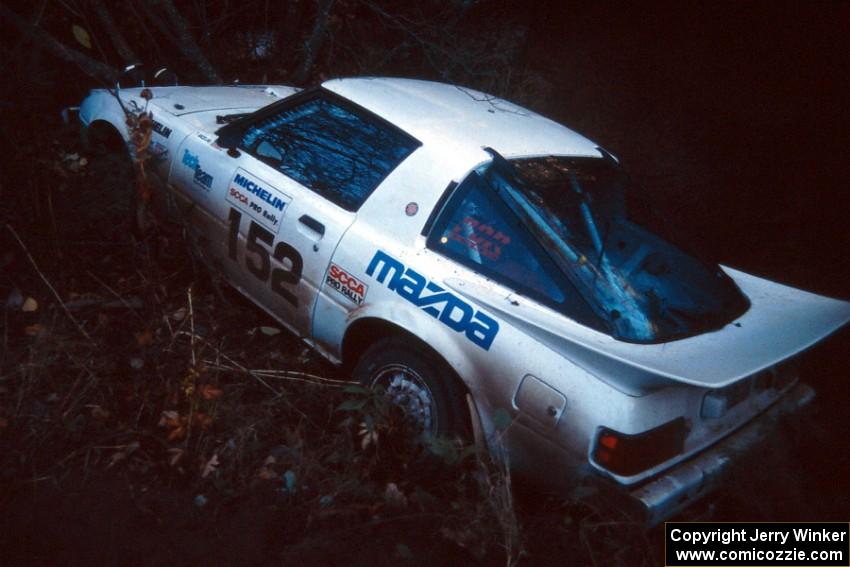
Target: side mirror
165 77
229 139
131 75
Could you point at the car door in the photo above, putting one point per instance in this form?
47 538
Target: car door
282 235
202 174
300 173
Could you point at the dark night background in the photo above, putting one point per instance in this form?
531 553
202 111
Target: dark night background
732 116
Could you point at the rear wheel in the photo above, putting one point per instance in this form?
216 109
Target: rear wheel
419 383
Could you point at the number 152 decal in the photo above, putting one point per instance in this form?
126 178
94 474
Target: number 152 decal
258 260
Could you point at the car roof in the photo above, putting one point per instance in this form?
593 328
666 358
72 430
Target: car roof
454 117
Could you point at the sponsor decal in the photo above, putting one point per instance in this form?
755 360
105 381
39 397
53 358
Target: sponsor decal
261 201
346 284
157 151
201 177
161 129
480 236
205 138
434 300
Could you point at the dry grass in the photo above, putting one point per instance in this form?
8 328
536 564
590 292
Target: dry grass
124 358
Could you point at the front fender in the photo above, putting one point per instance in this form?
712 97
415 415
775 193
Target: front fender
101 106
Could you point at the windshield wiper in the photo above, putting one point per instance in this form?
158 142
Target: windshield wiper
228 118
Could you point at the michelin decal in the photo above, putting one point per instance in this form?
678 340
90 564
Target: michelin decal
161 129
261 201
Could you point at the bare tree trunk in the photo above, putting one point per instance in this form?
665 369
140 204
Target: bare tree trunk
314 42
186 43
140 15
288 26
91 67
121 46
156 20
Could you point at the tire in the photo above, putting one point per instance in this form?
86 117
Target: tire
424 386
113 185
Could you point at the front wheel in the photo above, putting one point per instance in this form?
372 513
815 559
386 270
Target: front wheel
419 383
113 184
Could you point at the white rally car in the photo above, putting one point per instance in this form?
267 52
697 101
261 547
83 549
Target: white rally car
478 260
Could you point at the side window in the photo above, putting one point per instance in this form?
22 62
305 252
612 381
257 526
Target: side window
478 229
480 232
339 152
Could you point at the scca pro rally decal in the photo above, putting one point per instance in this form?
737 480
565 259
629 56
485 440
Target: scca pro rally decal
346 284
451 310
263 202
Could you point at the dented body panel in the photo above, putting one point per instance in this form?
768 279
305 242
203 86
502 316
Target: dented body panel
323 260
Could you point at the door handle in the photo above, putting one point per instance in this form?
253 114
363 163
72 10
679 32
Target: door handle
312 224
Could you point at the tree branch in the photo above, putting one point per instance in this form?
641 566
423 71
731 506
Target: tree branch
186 43
314 42
121 46
89 66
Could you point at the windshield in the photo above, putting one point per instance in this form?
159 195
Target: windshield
644 288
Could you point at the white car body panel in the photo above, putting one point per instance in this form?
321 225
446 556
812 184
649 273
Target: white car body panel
760 338
560 381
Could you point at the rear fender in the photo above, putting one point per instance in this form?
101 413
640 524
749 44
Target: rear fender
423 327
449 347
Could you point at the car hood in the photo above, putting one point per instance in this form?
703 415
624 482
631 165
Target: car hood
181 101
781 322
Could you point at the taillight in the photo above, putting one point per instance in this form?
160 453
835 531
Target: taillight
627 455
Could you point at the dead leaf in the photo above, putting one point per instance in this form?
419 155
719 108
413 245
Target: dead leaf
169 418
122 454
116 458
177 433
368 436
30 305
81 35
394 497
210 392
179 315
203 420
144 337
98 412
265 473
176 454
211 466
34 330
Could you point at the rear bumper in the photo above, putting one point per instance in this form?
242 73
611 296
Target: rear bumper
678 488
